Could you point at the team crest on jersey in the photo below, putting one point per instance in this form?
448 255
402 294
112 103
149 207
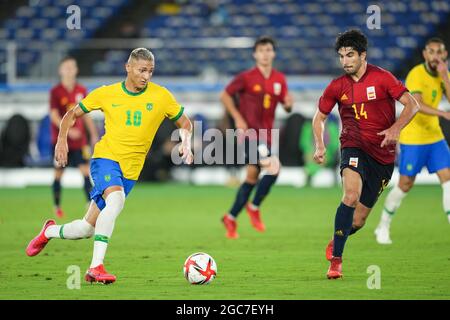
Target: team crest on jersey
353 162
371 95
257 88
149 106
277 88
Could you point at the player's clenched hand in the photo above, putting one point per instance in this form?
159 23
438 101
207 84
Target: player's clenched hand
442 69
61 151
241 124
390 136
186 153
319 155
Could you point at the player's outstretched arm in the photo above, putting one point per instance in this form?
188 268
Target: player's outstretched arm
318 125
61 148
411 107
185 129
229 105
426 109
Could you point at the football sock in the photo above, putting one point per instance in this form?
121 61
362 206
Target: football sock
342 226
77 229
391 204
105 225
56 188
241 198
263 188
446 198
87 187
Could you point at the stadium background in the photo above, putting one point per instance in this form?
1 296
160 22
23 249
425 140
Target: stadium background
199 46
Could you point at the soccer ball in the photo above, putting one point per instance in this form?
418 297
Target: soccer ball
200 268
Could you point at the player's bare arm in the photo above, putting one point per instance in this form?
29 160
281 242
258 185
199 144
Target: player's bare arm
61 148
185 126
230 106
288 102
426 109
318 124
411 107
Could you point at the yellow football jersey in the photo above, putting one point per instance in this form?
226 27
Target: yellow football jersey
131 122
424 128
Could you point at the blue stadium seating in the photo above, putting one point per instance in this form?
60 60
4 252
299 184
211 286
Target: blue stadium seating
304 29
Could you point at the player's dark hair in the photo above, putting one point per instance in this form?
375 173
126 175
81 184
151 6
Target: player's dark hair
141 54
67 58
434 40
262 41
353 38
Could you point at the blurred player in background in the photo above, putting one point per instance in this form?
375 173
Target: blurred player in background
366 97
63 97
134 109
422 142
259 90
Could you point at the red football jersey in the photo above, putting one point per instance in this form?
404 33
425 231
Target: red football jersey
258 97
366 107
63 101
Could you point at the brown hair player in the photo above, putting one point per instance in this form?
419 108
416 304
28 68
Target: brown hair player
366 97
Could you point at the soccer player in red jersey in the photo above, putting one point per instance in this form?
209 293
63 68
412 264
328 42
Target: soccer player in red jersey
63 97
366 97
259 90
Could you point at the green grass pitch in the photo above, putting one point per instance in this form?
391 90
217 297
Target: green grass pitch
162 224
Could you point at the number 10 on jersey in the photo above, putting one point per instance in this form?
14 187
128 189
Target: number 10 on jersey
137 118
361 113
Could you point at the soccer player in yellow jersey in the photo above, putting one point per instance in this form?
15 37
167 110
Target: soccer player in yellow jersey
422 142
134 109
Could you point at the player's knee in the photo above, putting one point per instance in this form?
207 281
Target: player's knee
115 201
84 229
271 165
405 186
351 198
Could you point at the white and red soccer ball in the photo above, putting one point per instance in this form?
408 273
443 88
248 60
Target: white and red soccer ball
200 268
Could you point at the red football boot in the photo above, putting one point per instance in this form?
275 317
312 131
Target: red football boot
59 213
40 241
329 250
255 218
99 274
335 270
231 226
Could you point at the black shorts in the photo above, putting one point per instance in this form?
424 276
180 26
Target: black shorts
74 157
375 176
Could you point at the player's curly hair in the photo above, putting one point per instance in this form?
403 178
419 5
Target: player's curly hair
353 38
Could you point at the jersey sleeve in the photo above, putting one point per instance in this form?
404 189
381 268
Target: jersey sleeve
394 87
328 99
173 110
236 85
414 82
93 101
